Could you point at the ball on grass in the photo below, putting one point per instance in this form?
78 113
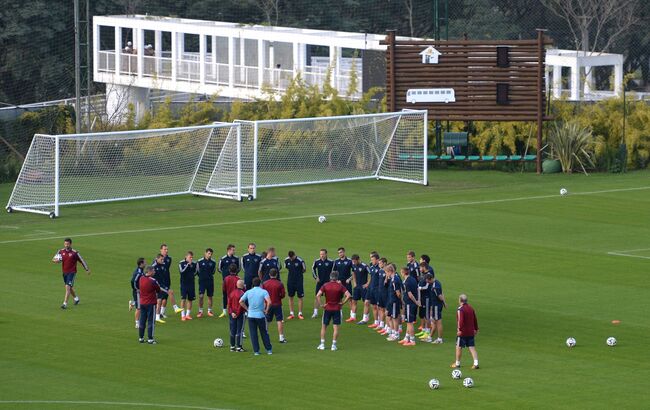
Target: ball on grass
218 342
322 219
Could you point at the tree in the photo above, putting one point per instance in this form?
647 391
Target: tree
595 24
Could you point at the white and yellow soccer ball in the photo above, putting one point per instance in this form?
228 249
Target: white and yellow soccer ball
434 384
322 219
611 341
468 382
57 257
456 374
570 342
218 342
563 191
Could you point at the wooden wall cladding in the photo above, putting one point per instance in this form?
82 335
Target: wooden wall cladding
471 68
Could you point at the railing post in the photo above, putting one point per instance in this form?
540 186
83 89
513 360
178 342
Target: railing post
261 62
174 56
202 52
138 44
231 62
118 50
57 164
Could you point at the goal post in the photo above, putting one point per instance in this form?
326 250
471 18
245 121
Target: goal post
75 169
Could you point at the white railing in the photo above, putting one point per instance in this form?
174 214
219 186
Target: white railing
277 78
106 61
157 67
188 70
246 76
216 73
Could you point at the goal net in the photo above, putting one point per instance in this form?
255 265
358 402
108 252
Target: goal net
229 160
89 168
328 149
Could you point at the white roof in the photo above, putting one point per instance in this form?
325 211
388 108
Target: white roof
430 50
249 31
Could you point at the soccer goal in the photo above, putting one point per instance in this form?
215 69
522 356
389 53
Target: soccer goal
89 168
227 160
301 151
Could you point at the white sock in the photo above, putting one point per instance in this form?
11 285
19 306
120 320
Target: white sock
209 309
187 312
376 322
76 298
200 310
291 313
381 324
334 343
162 310
365 318
353 315
300 313
322 341
315 311
157 317
476 363
224 311
281 337
182 313
457 362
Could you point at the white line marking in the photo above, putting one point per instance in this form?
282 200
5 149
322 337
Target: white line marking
107 403
633 250
291 218
629 256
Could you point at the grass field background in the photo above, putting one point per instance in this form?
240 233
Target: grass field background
534 264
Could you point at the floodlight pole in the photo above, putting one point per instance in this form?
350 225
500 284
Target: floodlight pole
77 68
540 99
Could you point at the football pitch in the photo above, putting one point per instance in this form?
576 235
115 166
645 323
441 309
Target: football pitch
537 267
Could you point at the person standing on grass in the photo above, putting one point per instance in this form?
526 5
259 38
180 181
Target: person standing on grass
371 293
335 297
412 265
207 267
410 306
236 314
269 261
343 265
250 262
224 267
276 293
360 282
465 332
149 291
382 297
230 283
68 258
256 302
437 304
394 302
135 282
188 270
295 282
321 270
161 265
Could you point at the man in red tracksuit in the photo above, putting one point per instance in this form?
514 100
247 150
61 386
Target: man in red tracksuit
230 282
276 293
149 289
467 329
68 258
236 315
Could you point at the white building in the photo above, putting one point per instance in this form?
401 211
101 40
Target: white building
232 60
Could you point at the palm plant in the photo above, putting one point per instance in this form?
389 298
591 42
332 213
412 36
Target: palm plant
573 145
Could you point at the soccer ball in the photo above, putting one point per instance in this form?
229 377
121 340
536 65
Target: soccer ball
57 257
468 382
322 219
570 342
563 191
218 342
456 374
434 384
611 341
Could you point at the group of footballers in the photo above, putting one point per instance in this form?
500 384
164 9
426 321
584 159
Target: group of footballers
392 295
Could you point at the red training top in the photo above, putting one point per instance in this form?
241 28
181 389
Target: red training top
334 293
467 323
233 302
69 259
149 289
276 291
230 284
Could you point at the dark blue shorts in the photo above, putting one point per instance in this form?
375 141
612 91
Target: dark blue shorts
381 298
188 292
465 341
296 287
359 293
332 315
348 286
136 299
206 286
68 279
424 311
275 311
371 296
410 312
163 295
436 312
318 286
393 309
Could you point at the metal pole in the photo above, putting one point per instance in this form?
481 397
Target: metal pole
255 129
88 65
540 99
77 68
57 164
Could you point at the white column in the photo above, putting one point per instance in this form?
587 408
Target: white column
618 76
302 57
174 55
202 51
332 66
575 82
242 61
139 46
118 49
261 62
96 51
296 58
157 47
231 61
589 79
337 71
272 71
215 72
557 81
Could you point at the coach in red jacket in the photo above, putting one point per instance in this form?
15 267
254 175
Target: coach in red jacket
276 293
236 315
149 289
467 329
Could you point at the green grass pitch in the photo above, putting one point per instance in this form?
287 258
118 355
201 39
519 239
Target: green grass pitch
537 267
